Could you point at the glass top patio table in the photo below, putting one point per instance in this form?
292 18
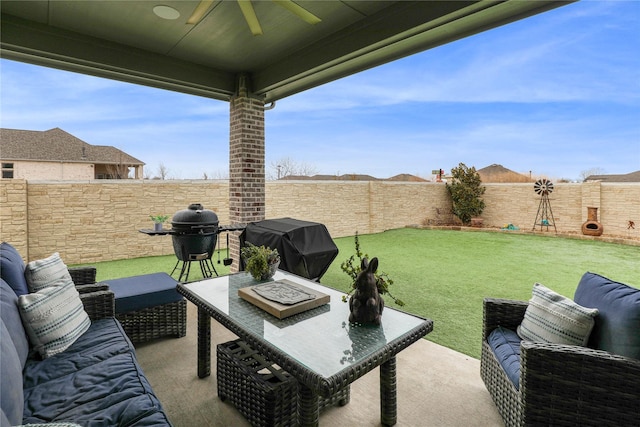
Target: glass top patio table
319 347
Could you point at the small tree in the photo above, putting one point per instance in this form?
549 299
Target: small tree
588 172
287 166
466 191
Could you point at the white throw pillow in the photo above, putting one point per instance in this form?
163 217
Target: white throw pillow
54 317
43 272
550 317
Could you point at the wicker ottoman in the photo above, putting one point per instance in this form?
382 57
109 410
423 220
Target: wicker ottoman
262 392
149 307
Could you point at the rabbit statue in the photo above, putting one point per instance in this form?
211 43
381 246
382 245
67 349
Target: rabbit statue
366 304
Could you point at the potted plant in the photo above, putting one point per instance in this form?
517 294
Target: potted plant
354 266
158 220
261 261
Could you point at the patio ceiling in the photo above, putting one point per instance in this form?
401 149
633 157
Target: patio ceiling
127 41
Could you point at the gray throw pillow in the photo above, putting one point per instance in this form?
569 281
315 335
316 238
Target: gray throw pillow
43 272
551 317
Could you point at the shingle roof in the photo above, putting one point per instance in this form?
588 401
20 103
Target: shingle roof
354 177
628 177
58 145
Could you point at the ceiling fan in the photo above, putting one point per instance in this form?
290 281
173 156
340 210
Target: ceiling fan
250 14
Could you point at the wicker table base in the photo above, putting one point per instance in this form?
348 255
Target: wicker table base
263 393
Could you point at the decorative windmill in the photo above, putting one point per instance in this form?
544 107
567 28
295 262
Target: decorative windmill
544 217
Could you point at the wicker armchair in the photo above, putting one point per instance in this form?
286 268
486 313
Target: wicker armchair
560 385
98 300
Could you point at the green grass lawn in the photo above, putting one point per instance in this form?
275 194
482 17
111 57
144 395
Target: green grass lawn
444 275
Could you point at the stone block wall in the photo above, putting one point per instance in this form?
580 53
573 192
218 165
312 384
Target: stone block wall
366 207
91 221
13 214
518 204
619 210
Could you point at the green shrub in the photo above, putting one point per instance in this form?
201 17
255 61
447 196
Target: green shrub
466 191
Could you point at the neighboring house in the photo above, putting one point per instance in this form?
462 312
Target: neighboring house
627 177
56 154
354 177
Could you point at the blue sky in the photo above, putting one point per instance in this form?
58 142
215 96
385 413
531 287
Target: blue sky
556 94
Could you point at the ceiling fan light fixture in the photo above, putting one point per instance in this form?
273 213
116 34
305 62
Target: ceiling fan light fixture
166 12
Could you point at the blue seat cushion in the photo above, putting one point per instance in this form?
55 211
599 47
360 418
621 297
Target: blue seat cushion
505 344
618 322
11 399
96 381
11 318
139 292
12 269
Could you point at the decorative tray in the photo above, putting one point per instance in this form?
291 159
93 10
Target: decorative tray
283 298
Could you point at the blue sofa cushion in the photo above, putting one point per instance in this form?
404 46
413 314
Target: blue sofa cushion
11 399
618 324
12 269
505 344
96 381
139 292
11 318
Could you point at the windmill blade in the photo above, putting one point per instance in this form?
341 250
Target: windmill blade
250 16
199 12
299 11
543 186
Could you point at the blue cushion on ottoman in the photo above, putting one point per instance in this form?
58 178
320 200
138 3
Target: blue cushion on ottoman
139 292
505 344
12 269
618 322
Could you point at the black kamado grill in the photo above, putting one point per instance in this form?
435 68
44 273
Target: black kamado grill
195 233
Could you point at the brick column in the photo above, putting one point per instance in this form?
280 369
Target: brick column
246 162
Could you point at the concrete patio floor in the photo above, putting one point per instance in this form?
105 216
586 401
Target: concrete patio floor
436 386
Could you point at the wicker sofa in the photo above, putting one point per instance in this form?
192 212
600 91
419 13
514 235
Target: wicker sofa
96 381
565 385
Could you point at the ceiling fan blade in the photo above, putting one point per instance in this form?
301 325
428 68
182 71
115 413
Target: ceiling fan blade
199 12
250 16
299 11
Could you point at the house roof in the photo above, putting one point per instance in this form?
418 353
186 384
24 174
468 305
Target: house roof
60 146
355 177
303 44
628 177
344 177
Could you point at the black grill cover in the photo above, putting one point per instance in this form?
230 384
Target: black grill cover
305 248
